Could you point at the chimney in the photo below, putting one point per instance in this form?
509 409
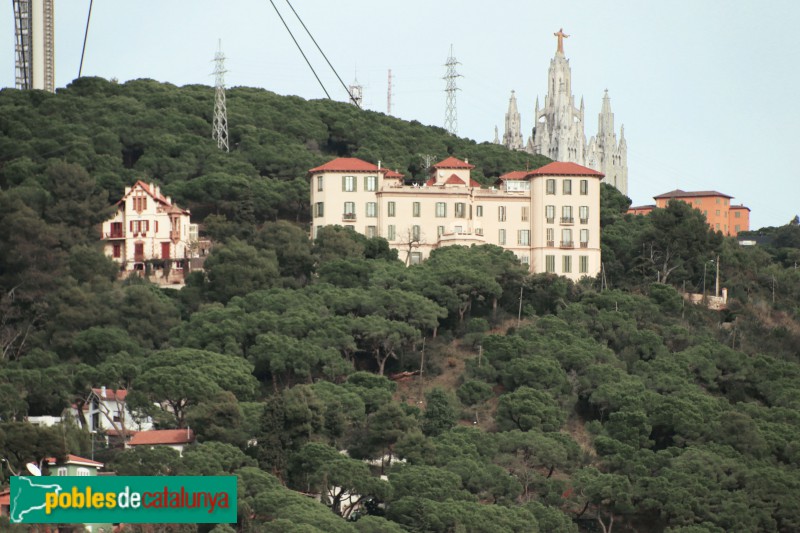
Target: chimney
379 164
103 392
466 160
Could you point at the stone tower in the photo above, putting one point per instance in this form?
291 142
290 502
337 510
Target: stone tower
605 154
512 138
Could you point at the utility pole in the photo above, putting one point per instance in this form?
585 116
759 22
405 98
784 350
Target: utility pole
451 114
716 284
220 132
519 313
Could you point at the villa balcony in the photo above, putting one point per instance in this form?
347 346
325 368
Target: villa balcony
584 221
584 245
111 235
567 244
551 244
349 217
567 221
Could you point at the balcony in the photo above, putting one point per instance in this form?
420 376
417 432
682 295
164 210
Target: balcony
551 244
138 257
584 221
567 221
551 220
567 244
584 245
349 217
114 235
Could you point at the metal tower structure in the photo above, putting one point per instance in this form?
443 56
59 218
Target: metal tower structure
451 114
356 92
34 45
220 133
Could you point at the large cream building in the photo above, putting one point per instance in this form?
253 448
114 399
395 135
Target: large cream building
549 217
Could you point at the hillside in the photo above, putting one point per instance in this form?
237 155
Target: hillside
609 405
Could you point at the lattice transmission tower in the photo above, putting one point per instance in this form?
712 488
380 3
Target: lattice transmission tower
451 114
220 133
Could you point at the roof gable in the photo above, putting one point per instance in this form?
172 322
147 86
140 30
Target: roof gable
74 460
454 180
452 162
346 164
563 168
679 193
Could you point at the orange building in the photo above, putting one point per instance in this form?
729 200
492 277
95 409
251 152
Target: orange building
716 206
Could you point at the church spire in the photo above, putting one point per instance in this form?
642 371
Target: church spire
605 123
512 138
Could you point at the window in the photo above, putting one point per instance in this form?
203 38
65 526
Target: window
566 264
140 203
316 231
415 209
583 213
391 232
524 237
390 207
717 200
717 227
566 214
524 259
584 238
349 210
372 209
439 231
525 213
319 209
371 232
717 210
705 214
550 213
478 231
62 471
584 186
501 236
566 238
416 258
550 186
140 226
550 233
320 181
441 209
350 226
370 183
550 263
583 264
567 186
461 210
737 228
415 233
83 471
349 183
458 229
501 213
478 210
117 250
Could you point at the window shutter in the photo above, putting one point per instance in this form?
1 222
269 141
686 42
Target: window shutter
344 183
131 226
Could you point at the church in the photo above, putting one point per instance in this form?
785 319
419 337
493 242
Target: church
558 130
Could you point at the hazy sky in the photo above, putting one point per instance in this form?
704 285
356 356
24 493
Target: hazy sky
707 89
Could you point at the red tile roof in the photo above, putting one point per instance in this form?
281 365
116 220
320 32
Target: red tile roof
558 168
345 164
678 193
642 207
160 198
74 460
454 180
162 436
473 183
391 174
452 162
515 175
111 394
431 182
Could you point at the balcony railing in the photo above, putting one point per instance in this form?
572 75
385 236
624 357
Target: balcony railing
114 235
349 217
551 220
138 258
567 244
551 244
584 245
567 220
584 221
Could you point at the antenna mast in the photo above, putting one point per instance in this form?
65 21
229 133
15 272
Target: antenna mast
220 133
389 95
356 92
451 114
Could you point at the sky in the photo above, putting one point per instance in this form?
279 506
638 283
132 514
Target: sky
706 89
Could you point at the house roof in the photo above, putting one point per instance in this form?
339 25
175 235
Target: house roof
111 394
345 164
514 175
74 460
642 207
454 180
391 174
162 436
678 193
452 162
158 197
473 183
739 207
431 182
561 168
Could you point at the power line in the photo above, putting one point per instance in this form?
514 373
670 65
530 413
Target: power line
300 49
323 54
85 37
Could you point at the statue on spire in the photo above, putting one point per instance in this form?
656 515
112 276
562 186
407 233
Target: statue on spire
561 36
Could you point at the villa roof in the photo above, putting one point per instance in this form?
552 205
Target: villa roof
454 180
346 164
514 175
561 168
155 195
388 173
111 394
678 193
74 460
162 436
452 162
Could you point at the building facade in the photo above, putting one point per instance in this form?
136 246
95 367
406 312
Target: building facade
716 206
549 217
558 130
146 227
